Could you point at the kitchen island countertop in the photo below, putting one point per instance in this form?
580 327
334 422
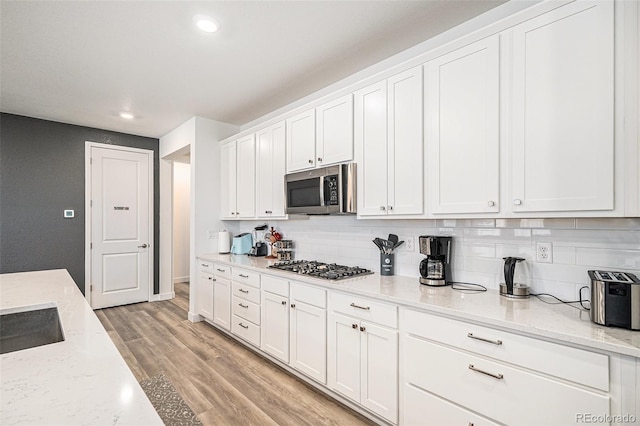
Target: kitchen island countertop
82 380
559 322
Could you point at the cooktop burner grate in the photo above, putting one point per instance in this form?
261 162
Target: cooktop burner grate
327 271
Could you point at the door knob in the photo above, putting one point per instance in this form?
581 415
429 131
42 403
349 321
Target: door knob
143 246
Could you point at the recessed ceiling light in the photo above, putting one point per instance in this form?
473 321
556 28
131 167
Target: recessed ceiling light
126 115
206 24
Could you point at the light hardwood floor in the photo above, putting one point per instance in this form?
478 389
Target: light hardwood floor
223 382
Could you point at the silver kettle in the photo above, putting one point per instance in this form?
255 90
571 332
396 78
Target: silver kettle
509 288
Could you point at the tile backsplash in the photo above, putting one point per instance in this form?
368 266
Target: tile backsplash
478 246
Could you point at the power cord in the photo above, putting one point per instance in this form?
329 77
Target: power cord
567 302
468 287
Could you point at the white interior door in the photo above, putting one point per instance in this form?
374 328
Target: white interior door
121 223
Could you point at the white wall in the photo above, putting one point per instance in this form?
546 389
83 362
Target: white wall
181 215
478 247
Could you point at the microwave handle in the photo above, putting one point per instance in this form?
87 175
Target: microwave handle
322 191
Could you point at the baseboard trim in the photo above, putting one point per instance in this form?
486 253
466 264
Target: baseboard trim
184 279
162 296
194 317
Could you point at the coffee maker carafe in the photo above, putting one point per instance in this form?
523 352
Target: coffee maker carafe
435 269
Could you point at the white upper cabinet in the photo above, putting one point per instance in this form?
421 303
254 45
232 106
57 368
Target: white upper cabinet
389 146
270 171
228 181
462 129
246 177
334 132
562 110
238 178
301 141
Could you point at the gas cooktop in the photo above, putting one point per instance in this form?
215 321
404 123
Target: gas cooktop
327 271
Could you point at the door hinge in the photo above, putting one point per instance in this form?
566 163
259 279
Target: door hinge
90 160
91 287
90 203
90 245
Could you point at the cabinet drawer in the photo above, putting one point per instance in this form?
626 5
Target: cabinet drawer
245 309
246 330
577 365
221 270
310 295
205 266
246 277
495 389
275 285
246 292
423 408
365 309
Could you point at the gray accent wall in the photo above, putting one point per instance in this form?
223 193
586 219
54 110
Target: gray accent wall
41 175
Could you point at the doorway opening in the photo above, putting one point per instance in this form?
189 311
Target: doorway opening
181 180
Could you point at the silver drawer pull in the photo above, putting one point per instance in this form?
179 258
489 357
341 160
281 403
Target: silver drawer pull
220 270
243 326
243 291
482 339
205 265
243 306
243 276
366 308
495 376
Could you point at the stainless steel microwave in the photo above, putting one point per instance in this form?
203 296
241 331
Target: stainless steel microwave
329 190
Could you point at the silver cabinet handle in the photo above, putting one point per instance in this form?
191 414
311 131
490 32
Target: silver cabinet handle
204 264
362 328
310 161
218 269
145 246
491 203
320 159
284 303
237 213
517 202
495 376
211 278
495 342
243 326
243 276
354 326
383 208
243 306
389 207
243 290
366 308
232 213
293 305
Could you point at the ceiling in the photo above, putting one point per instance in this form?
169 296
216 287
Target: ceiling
83 62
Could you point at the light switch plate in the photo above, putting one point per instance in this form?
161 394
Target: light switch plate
68 214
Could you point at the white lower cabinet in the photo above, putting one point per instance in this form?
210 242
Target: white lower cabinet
485 381
308 331
362 356
205 290
274 329
222 296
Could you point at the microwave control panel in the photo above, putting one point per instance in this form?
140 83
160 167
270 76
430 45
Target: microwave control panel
331 190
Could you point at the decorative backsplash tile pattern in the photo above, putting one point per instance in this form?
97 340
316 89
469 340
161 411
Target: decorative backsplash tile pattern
479 246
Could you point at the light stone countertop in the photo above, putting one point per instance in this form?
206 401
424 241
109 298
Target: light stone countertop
562 323
82 380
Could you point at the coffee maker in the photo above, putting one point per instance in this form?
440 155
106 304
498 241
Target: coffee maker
435 269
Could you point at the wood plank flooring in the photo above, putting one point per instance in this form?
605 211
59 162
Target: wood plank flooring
223 382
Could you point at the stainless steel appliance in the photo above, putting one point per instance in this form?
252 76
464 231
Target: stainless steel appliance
509 288
328 190
327 271
615 299
435 269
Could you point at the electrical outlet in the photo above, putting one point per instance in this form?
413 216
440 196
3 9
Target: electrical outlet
408 244
544 252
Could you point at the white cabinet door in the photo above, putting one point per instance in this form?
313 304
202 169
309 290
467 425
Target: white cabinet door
246 177
379 370
274 326
270 171
334 137
562 104
228 181
462 129
222 302
205 295
301 141
343 355
405 193
308 336
370 140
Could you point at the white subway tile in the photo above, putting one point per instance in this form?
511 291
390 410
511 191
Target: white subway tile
526 251
478 250
563 254
607 258
608 223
